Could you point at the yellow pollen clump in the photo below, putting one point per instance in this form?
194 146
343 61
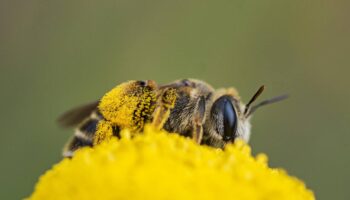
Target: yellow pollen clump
169 98
166 103
128 105
104 132
158 165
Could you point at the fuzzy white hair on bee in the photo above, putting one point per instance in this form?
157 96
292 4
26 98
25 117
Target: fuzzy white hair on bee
249 109
228 118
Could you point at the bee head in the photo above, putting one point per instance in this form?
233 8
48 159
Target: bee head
229 117
226 121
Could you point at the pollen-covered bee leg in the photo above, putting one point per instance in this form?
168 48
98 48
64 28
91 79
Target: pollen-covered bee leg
165 103
198 120
105 131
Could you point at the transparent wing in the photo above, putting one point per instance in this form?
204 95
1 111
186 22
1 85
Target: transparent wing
76 115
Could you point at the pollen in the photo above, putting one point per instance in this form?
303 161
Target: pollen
128 105
104 132
169 98
159 165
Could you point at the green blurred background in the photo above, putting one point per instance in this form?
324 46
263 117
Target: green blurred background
55 55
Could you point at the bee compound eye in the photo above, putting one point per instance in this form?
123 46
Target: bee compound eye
230 121
224 109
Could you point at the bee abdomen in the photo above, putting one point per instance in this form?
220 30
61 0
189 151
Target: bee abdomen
74 144
87 129
83 136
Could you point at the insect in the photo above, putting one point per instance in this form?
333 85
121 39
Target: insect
190 107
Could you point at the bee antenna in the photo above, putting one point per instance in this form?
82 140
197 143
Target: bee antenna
266 102
256 95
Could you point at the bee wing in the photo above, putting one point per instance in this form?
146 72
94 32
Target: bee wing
76 115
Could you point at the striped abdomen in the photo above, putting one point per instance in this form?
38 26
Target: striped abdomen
84 134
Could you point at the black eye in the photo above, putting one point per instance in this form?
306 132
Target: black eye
229 121
225 110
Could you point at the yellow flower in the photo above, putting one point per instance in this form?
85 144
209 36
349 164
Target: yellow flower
158 165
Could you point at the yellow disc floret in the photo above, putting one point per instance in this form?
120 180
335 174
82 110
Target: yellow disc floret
158 165
128 105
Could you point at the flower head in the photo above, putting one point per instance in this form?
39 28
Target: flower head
158 165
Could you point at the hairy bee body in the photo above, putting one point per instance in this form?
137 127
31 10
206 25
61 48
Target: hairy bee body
83 135
189 107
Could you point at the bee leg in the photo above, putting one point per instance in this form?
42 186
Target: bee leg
105 131
165 103
198 120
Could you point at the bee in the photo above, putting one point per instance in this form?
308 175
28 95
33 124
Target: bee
189 107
